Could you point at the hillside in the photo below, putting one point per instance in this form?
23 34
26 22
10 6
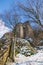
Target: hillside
22 41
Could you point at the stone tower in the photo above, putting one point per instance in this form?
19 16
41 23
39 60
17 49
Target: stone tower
19 30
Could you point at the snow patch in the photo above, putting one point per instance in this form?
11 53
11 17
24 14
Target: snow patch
3 28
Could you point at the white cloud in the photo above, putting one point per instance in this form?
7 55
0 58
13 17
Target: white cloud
3 28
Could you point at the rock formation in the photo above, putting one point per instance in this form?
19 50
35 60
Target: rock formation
28 31
24 30
8 43
4 52
40 38
19 30
5 45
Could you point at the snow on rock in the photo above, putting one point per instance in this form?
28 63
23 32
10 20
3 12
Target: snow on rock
36 59
20 58
3 28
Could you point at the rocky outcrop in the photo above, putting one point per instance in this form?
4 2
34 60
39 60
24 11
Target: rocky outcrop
13 46
21 46
16 44
5 44
40 36
4 53
36 59
18 30
8 35
28 31
23 30
40 39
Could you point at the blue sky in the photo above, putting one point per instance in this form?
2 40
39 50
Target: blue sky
5 5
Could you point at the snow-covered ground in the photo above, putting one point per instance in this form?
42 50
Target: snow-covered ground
36 59
3 28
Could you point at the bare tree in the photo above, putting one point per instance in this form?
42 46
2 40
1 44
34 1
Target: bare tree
34 10
12 18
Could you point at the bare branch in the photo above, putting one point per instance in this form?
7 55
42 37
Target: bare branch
32 11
